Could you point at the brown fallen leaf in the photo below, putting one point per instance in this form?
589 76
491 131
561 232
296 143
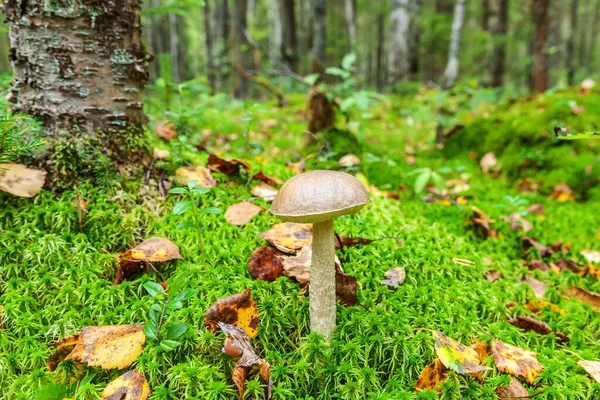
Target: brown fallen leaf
536 306
200 174
538 265
592 256
536 209
456 356
566 265
591 367
559 247
516 361
21 181
237 338
345 287
585 296
349 160
529 243
488 162
395 277
132 384
227 167
298 266
517 222
483 223
266 264
239 310
160 154
106 347
138 259
350 241
528 185
65 347
562 193
165 130
432 377
289 237
483 351
297 168
514 390
493 275
531 324
264 191
539 289
260 176
241 213
593 271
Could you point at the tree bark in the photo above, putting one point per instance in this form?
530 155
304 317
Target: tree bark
380 47
290 38
350 13
451 72
592 49
80 68
275 29
570 53
241 56
542 28
413 39
211 66
398 53
486 14
319 36
500 32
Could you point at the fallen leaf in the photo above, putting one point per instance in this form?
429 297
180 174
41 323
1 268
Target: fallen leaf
483 223
591 367
592 256
539 289
537 306
514 390
269 123
559 247
21 181
239 310
160 154
260 176
536 209
432 377
155 249
395 277
264 191
345 287
227 167
493 275
237 338
531 324
562 193
165 130
349 160
266 264
297 168
527 185
106 347
488 162
566 265
516 361
350 241
517 222
593 271
289 237
538 265
585 296
529 243
132 384
483 351
241 213
456 356
577 109
201 174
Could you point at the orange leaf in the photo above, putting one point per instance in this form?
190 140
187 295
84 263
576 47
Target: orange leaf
155 249
165 130
239 310
432 376
228 167
199 173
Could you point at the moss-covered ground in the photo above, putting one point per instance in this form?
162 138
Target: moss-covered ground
57 265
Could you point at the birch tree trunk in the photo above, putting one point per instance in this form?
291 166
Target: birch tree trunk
451 72
542 29
275 29
241 56
319 36
398 51
81 70
350 13
500 32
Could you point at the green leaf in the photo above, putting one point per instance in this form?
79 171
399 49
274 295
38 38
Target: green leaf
211 210
348 61
200 190
580 136
192 183
311 79
182 207
51 391
176 330
421 181
150 331
154 288
178 190
186 225
438 181
169 345
174 305
188 294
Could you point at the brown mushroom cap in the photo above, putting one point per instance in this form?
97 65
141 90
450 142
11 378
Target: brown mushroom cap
318 196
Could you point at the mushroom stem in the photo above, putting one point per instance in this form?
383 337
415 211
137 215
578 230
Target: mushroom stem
322 280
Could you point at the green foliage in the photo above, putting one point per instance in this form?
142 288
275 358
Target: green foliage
13 128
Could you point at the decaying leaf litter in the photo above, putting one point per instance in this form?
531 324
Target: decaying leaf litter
554 302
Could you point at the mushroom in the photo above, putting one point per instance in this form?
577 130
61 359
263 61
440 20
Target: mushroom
318 197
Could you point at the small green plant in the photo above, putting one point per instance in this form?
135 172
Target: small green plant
563 134
514 205
12 145
160 312
426 175
192 203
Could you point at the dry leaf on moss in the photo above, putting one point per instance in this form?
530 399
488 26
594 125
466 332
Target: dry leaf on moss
592 256
516 222
456 356
395 277
266 264
241 213
132 384
202 175
432 377
514 390
539 289
165 130
516 361
345 287
585 296
264 191
350 241
591 367
260 176
289 237
488 162
531 324
493 275
349 160
106 347
537 306
562 193
529 243
239 310
227 167
298 266
21 181
151 250
483 223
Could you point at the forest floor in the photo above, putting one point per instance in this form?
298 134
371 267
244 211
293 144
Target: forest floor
59 253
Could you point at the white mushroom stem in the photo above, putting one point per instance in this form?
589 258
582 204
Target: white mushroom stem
322 280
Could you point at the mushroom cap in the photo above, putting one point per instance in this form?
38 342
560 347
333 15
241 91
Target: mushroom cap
318 196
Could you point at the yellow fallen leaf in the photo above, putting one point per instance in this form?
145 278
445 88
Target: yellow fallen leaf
155 249
456 356
199 173
536 306
516 361
289 237
591 367
21 181
132 384
241 213
239 310
432 377
588 297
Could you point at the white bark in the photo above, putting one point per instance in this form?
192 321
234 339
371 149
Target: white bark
275 29
351 22
451 73
399 47
322 280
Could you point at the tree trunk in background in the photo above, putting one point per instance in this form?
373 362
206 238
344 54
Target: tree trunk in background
319 36
211 66
413 39
176 70
592 49
444 6
350 13
486 14
500 39
275 29
542 28
451 72
241 56
290 38
81 71
380 45
224 45
398 51
570 53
